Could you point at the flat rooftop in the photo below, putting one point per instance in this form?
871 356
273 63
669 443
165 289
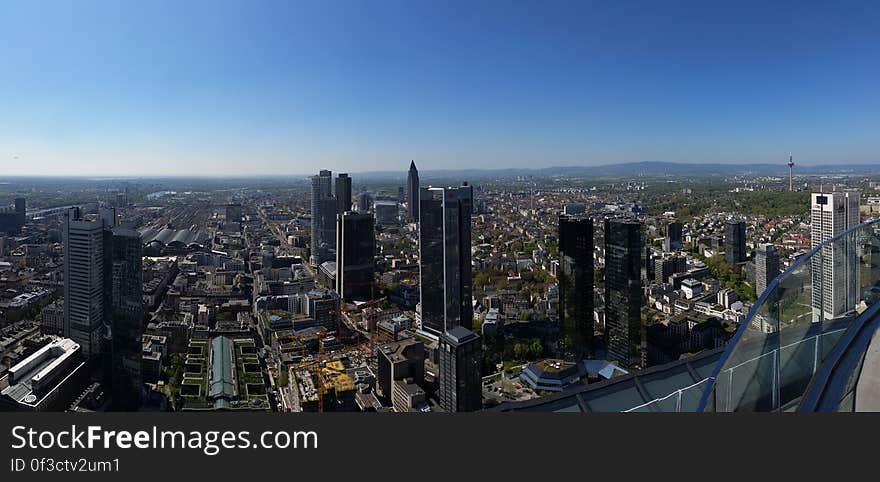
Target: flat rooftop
394 351
31 376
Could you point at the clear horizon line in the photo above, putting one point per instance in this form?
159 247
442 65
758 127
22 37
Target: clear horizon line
404 170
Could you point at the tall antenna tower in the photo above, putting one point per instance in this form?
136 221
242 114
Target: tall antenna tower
790 173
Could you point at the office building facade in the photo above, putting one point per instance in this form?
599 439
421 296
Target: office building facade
445 258
399 361
355 256
323 218
668 266
103 302
126 324
835 283
85 281
576 285
623 291
12 218
735 242
365 202
673 239
343 193
412 192
766 266
460 380
385 211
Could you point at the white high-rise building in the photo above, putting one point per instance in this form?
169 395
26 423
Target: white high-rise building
84 281
835 268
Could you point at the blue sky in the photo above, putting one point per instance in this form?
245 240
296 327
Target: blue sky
261 87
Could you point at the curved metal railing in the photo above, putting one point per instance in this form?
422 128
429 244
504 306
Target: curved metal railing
795 323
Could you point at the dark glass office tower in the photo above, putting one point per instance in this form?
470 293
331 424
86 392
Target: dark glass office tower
673 239
343 193
460 379
735 242
126 317
11 221
355 256
623 291
412 192
576 285
445 257
323 218
365 203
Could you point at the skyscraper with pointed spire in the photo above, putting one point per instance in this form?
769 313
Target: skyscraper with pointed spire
412 192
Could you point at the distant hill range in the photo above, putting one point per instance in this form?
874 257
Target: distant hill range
645 168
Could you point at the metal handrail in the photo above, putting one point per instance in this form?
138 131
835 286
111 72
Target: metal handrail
677 392
771 288
857 338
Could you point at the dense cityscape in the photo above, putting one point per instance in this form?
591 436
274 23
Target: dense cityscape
242 240
438 207
445 291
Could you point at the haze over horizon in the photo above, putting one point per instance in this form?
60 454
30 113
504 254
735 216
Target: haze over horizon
228 88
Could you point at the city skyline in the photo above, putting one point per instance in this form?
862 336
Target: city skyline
121 90
575 283
606 191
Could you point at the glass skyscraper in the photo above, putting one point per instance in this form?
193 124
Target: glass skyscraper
576 285
735 242
460 382
343 193
673 238
355 252
623 291
412 192
445 257
323 225
103 303
126 323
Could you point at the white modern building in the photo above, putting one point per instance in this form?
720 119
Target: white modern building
84 278
691 288
47 380
834 272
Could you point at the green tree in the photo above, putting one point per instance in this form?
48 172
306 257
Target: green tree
537 348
